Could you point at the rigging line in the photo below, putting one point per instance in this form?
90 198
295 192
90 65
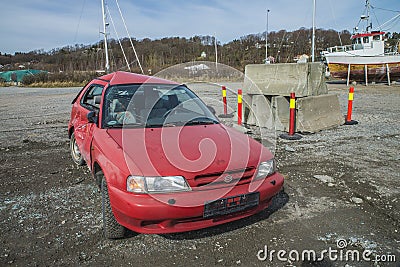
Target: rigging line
129 36
113 65
334 20
119 40
79 21
298 35
377 21
292 46
385 9
365 9
392 19
280 46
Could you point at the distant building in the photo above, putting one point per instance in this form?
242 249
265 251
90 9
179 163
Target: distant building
301 58
196 68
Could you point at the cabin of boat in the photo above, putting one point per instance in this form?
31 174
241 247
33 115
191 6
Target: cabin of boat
363 44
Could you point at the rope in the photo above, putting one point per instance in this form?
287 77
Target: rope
396 11
336 25
129 36
119 41
79 21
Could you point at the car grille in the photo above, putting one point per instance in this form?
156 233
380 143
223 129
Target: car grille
225 178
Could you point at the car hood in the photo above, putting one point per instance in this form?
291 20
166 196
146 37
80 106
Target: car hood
189 150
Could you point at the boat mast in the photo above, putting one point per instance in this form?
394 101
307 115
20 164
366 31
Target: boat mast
369 24
216 52
266 41
105 25
313 33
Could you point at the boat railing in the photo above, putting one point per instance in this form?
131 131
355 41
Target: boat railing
344 48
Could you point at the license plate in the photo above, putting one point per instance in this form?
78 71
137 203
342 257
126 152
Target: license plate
230 205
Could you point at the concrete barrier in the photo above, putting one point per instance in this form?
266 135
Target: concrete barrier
260 113
247 108
316 110
313 113
316 113
280 111
281 79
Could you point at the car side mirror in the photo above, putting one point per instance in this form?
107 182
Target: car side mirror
92 117
211 109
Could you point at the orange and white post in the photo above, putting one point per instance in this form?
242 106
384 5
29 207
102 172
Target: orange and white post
349 121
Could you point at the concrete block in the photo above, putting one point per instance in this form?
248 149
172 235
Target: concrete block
316 113
280 111
282 79
260 112
246 108
316 79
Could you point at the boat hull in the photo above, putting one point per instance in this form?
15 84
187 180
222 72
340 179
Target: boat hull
351 57
376 72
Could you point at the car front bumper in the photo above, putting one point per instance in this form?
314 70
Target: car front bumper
180 212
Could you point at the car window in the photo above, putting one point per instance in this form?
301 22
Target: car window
88 99
154 105
80 92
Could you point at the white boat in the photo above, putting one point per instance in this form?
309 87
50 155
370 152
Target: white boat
367 56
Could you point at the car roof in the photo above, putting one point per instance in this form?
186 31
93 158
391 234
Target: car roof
122 77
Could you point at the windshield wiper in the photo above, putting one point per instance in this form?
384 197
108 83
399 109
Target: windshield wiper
154 125
201 121
128 125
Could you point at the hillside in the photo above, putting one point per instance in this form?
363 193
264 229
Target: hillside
156 55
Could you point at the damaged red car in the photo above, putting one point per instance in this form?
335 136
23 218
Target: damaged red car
163 161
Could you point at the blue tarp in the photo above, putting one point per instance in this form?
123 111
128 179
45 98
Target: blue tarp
17 75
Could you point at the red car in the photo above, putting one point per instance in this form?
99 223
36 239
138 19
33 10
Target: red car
163 160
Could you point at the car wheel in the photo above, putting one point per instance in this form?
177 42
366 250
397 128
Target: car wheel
75 152
112 229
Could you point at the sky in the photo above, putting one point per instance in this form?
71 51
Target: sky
48 24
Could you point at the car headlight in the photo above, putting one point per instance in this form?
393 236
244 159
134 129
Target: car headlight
161 184
265 169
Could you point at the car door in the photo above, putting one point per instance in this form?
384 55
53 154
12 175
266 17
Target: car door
82 128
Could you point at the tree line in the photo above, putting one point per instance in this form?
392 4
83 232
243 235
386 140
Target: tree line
156 55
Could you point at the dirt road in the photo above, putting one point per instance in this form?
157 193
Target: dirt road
342 192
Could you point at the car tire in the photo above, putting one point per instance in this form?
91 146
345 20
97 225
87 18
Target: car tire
75 152
112 229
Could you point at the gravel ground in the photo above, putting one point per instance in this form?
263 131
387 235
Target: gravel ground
342 192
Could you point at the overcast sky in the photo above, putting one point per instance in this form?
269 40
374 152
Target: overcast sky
28 25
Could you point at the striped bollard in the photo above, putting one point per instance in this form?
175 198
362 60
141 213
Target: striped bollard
292 119
349 121
224 99
239 99
225 114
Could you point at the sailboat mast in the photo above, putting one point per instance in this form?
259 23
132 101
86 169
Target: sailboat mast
216 52
369 24
266 41
105 24
313 33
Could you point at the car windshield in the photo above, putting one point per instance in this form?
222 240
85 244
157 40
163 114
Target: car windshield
154 105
